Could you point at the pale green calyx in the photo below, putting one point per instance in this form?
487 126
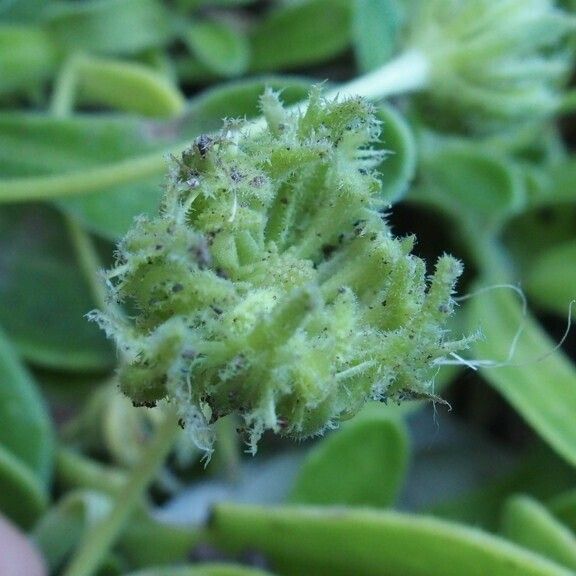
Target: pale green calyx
493 62
270 285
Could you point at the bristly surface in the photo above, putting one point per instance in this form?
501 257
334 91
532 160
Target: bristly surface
270 285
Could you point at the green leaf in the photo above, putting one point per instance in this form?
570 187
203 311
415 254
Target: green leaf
44 147
145 541
218 46
399 166
109 26
551 280
33 144
27 57
529 524
121 160
301 34
562 186
211 569
343 542
540 474
44 296
21 10
26 441
241 99
22 496
376 30
539 383
127 86
470 183
149 542
535 232
563 506
363 464
26 429
60 529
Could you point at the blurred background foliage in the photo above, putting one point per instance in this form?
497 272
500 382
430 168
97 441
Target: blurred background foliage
94 95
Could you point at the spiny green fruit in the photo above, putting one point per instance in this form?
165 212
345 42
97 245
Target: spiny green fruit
270 285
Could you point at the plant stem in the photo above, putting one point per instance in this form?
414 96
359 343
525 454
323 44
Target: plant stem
88 260
406 73
98 539
64 91
85 180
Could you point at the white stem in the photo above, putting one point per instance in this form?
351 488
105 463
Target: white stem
406 73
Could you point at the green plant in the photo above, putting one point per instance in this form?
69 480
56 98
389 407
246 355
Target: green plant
249 292
271 288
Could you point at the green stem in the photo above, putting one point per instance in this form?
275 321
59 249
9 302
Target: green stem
228 454
87 180
64 92
407 73
88 260
97 540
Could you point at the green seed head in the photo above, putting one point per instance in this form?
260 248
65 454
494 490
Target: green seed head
270 286
493 63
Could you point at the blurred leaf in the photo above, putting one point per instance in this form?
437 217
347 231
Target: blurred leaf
27 57
301 34
218 46
21 10
241 99
108 26
563 506
33 144
150 542
122 159
343 542
540 474
539 383
77 471
26 429
529 524
22 496
363 464
533 233
204 114
470 183
562 188
145 540
127 86
38 145
44 296
211 569
376 31
59 531
551 280
399 166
